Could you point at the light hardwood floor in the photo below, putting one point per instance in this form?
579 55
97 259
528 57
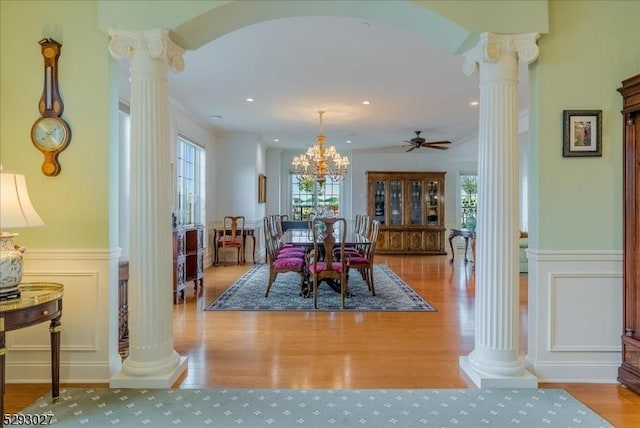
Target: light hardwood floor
346 349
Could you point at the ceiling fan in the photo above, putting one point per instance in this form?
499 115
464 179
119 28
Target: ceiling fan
418 141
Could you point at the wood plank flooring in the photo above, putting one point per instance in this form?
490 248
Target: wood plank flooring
345 349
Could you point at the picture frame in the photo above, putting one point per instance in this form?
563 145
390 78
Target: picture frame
582 135
262 188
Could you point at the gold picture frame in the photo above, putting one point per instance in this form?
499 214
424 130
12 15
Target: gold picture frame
262 188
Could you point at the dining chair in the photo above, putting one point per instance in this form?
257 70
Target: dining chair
232 236
363 263
280 218
281 260
361 227
362 224
321 263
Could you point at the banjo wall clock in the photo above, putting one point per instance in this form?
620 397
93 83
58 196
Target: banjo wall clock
50 133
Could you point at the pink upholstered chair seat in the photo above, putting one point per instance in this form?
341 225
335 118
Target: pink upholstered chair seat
292 251
358 260
289 263
322 266
232 243
290 255
348 252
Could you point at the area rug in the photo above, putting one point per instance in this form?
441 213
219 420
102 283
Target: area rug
223 408
247 294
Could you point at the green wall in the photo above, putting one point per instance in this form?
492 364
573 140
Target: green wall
576 202
591 47
73 205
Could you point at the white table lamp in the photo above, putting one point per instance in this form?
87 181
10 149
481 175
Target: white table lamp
16 211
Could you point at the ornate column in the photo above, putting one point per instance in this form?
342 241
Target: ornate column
494 362
152 361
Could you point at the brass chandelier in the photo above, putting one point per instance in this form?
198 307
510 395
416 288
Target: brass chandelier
319 163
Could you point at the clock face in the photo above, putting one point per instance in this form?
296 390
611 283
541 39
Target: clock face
49 133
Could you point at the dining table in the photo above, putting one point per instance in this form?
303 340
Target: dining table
304 238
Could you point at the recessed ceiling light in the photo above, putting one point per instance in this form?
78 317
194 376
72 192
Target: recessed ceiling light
366 102
275 140
215 116
474 103
250 100
348 141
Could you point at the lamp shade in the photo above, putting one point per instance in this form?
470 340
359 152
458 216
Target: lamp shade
16 209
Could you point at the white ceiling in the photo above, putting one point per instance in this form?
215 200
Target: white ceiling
293 67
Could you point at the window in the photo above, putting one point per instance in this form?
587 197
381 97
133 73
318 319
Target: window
190 183
468 200
307 196
124 168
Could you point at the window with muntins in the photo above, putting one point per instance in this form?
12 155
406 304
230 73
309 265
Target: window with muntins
189 182
307 196
468 200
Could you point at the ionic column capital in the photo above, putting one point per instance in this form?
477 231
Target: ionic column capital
492 46
156 42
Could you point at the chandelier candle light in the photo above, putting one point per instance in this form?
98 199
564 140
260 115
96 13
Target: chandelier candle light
16 211
318 163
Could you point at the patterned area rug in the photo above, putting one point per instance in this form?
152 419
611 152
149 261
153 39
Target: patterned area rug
247 294
315 408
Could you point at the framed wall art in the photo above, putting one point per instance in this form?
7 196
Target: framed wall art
262 188
582 133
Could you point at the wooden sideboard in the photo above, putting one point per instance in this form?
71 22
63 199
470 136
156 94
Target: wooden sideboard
629 371
188 259
410 208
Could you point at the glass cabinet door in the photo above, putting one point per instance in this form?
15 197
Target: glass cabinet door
415 202
395 204
379 201
432 203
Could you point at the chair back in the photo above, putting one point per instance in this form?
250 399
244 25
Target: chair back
358 223
270 238
279 218
374 231
362 224
272 222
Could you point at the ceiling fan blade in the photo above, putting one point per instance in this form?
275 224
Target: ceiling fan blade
412 148
436 147
429 143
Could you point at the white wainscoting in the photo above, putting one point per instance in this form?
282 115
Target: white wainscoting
89 337
575 315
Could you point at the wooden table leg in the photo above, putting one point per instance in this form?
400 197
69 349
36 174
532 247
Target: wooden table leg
451 235
473 249
55 329
215 247
466 246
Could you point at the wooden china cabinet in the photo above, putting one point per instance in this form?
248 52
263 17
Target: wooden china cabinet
629 371
410 208
188 260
